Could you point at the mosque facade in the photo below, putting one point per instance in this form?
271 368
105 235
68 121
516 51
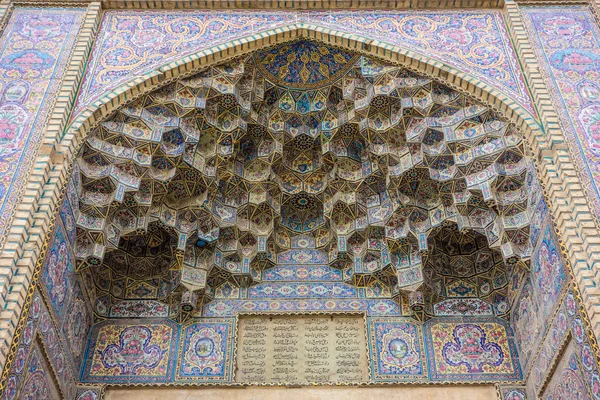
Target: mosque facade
292 199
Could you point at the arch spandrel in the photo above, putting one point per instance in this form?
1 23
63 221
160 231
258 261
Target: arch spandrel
428 33
86 116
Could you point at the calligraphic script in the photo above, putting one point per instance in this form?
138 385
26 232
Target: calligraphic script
311 349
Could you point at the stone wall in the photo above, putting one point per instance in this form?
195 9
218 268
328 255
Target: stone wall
371 393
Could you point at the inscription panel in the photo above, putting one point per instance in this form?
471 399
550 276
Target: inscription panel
311 349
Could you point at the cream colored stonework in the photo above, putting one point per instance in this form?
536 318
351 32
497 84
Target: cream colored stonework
307 393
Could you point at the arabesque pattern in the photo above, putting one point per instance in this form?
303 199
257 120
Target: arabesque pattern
35 47
134 43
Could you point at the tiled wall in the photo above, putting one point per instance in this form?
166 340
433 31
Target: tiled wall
34 51
52 345
467 349
448 36
567 43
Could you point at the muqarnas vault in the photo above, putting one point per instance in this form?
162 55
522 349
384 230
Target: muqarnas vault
360 199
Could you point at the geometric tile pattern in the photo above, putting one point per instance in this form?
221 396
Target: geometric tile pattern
438 35
303 150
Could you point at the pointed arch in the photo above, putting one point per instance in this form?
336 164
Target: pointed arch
436 69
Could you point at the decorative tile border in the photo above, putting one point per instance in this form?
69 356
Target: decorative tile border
229 308
301 290
139 309
302 273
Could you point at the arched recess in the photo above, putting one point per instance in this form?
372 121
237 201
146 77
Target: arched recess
459 80
524 121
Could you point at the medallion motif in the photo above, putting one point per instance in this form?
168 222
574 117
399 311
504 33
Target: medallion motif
397 350
133 351
471 349
304 64
548 272
58 271
35 387
13 119
567 381
515 394
87 394
76 326
206 351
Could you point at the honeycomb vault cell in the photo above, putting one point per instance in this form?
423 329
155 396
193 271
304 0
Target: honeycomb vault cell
395 177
